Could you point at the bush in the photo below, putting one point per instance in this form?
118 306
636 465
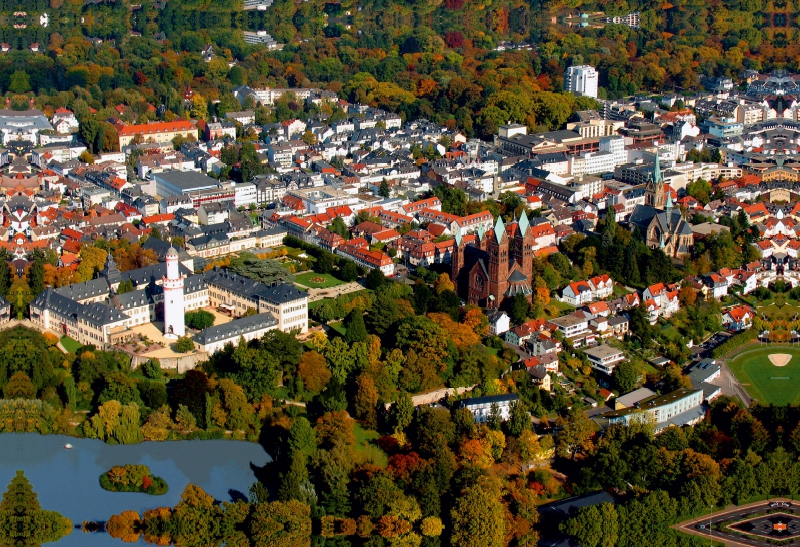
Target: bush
734 342
133 478
152 369
184 344
199 319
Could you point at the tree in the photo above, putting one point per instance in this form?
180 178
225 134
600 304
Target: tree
184 344
625 377
335 428
384 191
302 437
125 286
36 276
576 433
366 401
375 279
519 419
595 526
199 319
284 346
349 271
477 518
402 412
19 386
313 370
355 330
520 307
443 283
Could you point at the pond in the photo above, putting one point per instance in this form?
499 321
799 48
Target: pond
67 481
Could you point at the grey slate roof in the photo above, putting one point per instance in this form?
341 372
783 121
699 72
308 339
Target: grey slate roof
236 328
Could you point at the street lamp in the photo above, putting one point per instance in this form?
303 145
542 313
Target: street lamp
710 534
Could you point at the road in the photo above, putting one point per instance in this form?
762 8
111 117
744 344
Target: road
729 514
730 385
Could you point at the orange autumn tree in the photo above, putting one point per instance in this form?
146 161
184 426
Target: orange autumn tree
461 334
126 526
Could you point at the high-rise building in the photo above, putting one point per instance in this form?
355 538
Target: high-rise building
174 325
581 80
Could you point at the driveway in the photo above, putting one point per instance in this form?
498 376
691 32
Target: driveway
730 385
331 292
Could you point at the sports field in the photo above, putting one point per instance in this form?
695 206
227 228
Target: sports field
765 381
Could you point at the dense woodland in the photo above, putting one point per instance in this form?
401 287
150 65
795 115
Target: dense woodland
422 59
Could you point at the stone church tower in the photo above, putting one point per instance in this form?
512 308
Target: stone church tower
655 193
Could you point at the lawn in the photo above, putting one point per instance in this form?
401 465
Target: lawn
366 447
317 281
763 380
670 332
774 312
70 344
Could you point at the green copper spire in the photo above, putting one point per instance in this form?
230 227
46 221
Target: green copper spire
499 229
524 224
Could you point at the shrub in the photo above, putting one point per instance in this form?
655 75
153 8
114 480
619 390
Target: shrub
199 319
734 342
184 344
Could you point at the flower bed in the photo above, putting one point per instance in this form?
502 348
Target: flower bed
133 478
318 279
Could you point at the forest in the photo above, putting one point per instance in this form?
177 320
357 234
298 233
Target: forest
423 59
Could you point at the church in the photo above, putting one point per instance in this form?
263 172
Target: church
492 266
662 226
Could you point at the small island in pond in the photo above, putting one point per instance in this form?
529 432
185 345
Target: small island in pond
133 478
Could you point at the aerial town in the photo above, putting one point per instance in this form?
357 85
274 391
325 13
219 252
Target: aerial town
320 274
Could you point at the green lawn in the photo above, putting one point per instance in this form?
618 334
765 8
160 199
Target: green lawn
670 332
70 344
312 280
763 380
774 312
366 447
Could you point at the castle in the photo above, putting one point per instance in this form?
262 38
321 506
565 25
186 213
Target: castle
491 266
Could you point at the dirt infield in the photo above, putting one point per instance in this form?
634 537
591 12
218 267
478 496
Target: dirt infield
779 359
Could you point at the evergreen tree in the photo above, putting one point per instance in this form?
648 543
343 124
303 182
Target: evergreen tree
520 419
295 483
356 331
36 277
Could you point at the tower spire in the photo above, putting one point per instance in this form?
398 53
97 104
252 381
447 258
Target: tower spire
657 170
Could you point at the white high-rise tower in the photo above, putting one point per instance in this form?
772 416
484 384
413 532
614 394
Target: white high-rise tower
173 297
581 80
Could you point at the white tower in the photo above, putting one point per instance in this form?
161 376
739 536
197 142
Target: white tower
173 298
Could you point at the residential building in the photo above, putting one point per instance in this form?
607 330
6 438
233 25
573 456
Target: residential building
581 80
604 358
481 407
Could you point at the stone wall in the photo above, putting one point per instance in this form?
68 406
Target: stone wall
179 364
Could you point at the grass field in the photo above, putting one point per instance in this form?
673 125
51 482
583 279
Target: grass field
306 280
763 380
366 447
69 344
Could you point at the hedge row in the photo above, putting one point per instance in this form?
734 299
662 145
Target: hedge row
734 342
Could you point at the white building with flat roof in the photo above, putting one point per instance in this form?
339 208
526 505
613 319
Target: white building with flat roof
581 80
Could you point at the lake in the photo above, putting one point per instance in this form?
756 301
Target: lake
67 481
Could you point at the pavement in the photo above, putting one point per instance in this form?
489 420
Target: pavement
730 513
730 385
331 292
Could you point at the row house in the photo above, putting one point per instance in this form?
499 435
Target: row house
358 251
579 293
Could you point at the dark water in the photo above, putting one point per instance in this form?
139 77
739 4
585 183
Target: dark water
67 480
